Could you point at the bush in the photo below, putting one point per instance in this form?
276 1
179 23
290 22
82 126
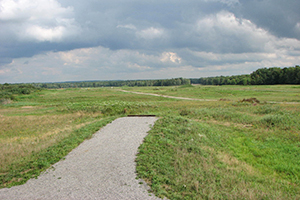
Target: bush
9 90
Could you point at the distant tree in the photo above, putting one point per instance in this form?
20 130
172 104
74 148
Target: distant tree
276 75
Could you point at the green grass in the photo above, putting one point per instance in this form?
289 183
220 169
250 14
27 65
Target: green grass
197 149
186 159
277 93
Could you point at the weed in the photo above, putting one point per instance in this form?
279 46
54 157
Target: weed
185 112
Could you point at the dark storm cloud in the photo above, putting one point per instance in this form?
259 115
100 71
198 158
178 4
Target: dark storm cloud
101 24
280 17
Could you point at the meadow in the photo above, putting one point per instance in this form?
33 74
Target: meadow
222 148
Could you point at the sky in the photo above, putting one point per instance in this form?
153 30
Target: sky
77 40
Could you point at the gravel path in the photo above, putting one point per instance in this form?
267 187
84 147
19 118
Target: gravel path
100 168
166 96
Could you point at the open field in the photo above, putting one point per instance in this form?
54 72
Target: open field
269 93
197 149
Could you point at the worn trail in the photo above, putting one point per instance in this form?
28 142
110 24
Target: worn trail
102 167
195 99
171 97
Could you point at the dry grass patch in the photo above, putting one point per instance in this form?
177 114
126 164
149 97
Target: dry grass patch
236 165
20 136
223 123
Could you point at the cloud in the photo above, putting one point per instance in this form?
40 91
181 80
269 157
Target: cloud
227 2
45 34
88 64
21 10
83 40
170 57
127 26
277 16
150 33
100 63
224 32
37 21
297 27
138 67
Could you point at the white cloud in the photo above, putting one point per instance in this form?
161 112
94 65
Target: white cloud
96 63
101 63
224 30
232 57
170 57
31 9
38 20
127 26
285 44
150 33
45 34
228 2
297 27
138 67
76 57
5 71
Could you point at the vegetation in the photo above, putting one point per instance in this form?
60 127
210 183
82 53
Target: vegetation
264 76
185 158
8 91
130 83
228 147
275 75
40 128
229 93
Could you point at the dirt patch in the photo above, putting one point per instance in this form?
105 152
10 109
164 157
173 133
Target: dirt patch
251 100
224 100
5 101
27 107
228 124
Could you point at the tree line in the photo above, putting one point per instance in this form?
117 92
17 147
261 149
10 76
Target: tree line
120 83
263 76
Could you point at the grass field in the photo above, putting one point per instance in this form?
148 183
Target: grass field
223 149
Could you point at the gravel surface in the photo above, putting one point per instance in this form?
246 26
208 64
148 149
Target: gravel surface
166 96
102 167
